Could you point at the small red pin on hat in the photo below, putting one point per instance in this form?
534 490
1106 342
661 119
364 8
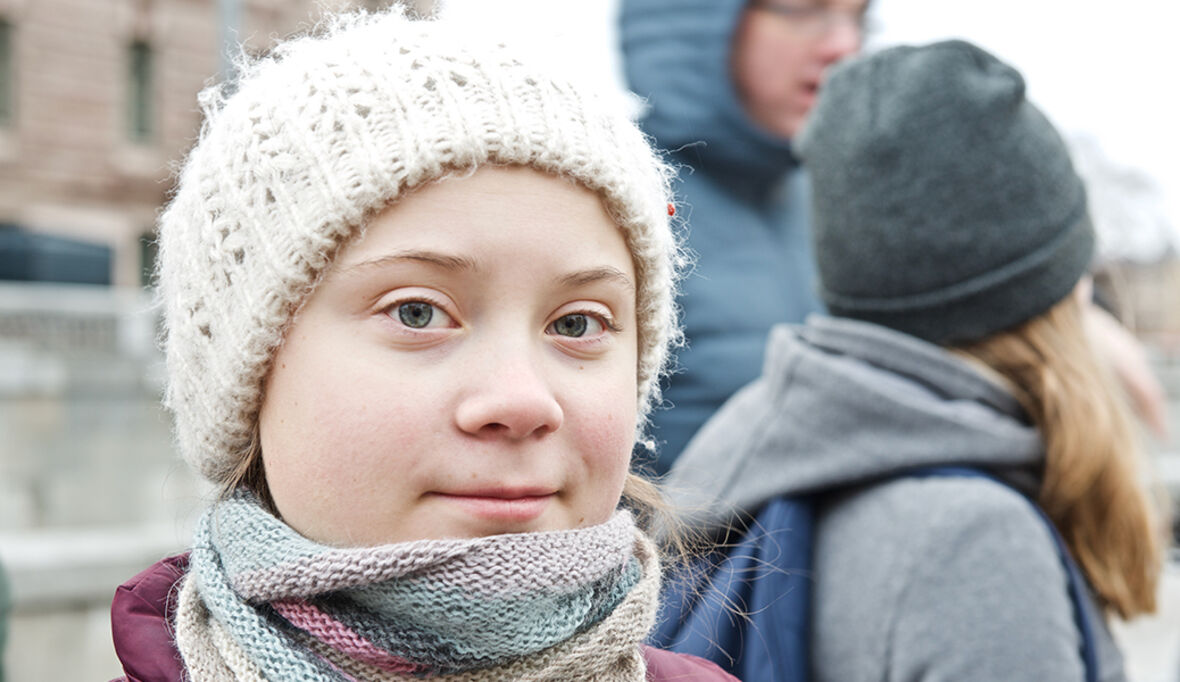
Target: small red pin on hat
671 209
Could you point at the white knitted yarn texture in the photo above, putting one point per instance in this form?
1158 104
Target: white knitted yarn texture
326 131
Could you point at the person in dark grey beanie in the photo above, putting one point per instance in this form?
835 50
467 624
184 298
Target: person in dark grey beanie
952 243
945 203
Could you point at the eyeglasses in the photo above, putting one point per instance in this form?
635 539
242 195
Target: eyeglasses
814 21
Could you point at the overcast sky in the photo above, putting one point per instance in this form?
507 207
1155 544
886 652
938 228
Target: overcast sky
1109 70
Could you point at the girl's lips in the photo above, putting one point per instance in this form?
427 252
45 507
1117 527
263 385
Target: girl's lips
501 506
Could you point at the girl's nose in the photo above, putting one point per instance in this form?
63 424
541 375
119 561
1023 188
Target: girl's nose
511 400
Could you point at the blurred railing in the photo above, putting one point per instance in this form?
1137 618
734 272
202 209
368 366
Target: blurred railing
90 490
62 340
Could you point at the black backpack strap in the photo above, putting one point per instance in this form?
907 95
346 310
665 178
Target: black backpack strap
1078 591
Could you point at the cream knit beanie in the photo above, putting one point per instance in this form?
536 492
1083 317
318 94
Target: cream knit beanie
325 132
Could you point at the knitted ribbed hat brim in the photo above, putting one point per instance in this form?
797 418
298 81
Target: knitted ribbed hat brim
978 307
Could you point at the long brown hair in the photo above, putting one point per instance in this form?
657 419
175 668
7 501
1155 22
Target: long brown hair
1093 488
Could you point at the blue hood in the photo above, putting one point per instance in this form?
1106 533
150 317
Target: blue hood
677 57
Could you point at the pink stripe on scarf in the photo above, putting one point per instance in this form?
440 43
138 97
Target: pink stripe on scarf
339 636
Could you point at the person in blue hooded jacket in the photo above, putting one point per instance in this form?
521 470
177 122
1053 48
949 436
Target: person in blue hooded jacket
728 83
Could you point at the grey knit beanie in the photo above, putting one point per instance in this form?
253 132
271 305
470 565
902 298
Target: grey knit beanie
321 135
945 203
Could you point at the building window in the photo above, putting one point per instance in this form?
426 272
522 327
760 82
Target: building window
140 91
148 252
36 257
7 71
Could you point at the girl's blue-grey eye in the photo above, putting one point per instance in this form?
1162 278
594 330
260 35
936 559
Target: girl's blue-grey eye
570 325
416 314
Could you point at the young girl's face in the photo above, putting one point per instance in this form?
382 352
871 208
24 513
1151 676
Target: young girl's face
467 367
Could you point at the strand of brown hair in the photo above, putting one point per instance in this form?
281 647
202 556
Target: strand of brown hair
1092 490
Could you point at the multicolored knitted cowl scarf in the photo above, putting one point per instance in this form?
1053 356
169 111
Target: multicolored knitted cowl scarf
261 602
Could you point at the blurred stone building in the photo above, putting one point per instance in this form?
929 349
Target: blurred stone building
1146 296
98 103
97 100
1138 272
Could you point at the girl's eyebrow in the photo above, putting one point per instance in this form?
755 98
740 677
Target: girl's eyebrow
452 262
442 260
592 275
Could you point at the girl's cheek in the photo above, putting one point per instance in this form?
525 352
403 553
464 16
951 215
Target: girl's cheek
610 438
614 441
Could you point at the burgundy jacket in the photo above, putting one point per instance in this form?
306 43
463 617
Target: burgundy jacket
143 609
